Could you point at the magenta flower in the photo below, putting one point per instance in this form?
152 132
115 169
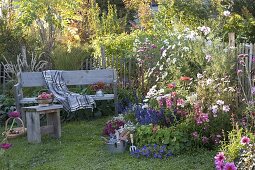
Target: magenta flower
220 157
14 114
169 103
245 140
5 146
230 166
219 165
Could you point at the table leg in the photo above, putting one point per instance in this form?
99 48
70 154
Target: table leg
54 119
33 127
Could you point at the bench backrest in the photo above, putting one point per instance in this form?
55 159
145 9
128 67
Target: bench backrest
75 77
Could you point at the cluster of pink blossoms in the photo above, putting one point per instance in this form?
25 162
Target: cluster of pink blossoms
200 117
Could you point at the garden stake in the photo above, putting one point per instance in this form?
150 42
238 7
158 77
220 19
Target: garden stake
132 148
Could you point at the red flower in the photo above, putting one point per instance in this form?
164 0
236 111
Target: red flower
14 114
185 78
99 86
5 146
171 85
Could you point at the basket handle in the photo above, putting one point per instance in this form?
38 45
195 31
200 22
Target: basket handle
16 118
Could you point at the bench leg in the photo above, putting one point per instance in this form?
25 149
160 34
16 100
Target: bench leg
33 127
54 119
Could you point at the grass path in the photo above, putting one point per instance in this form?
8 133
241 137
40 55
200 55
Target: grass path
81 148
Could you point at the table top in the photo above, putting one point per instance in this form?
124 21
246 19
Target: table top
43 108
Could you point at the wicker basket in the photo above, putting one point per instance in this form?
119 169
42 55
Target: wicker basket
14 132
44 102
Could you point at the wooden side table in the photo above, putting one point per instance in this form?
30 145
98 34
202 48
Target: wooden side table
34 130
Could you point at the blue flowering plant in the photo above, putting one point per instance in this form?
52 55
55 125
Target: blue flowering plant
152 151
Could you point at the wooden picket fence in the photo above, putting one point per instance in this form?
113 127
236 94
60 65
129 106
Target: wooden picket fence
246 67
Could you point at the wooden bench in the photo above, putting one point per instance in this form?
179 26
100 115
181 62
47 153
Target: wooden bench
75 77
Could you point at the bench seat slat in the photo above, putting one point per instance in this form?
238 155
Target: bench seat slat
105 97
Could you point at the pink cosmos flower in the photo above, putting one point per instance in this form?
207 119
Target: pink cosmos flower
180 102
14 114
169 103
245 140
5 146
230 166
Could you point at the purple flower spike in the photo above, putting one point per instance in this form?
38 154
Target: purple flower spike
14 114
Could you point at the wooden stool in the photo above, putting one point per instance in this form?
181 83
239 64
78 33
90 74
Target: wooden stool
34 130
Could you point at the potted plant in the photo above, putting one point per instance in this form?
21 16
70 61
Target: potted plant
115 136
99 87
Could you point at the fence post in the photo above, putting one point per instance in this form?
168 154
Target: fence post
103 57
231 39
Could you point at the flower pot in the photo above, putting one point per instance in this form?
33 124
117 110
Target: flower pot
116 147
100 93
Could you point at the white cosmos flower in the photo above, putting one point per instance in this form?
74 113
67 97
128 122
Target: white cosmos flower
220 102
226 108
199 76
226 13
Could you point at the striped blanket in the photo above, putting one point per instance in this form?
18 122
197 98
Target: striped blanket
70 101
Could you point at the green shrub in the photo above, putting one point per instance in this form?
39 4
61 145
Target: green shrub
70 60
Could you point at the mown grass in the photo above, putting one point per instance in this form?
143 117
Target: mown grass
80 147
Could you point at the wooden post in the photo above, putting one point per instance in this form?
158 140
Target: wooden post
129 71
231 39
103 57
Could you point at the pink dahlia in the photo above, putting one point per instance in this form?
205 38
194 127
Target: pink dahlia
245 140
230 166
220 157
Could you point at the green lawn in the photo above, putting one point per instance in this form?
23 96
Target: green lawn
80 147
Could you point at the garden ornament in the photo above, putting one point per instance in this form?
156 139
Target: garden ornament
132 148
